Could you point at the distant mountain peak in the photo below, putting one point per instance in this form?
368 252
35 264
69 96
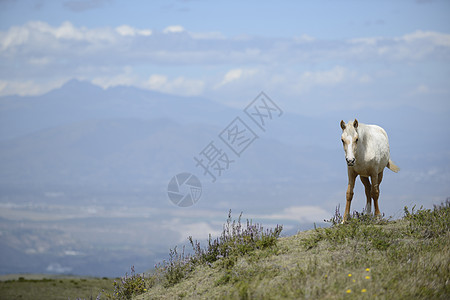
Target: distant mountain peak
76 84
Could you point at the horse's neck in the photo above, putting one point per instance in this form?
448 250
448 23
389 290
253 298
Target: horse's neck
363 136
362 132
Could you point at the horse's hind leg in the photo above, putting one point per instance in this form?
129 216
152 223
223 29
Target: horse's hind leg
367 186
376 181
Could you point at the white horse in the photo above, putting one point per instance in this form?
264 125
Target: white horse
367 154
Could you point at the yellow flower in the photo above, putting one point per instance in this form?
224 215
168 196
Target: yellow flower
348 291
354 280
368 269
145 290
349 275
367 277
363 290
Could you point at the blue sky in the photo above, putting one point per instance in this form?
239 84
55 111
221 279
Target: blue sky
321 19
322 55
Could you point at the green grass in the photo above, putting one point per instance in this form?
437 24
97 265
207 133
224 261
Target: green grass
53 288
366 258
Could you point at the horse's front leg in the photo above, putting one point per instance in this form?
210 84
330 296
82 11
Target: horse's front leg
351 185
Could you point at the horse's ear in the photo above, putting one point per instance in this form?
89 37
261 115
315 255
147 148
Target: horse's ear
355 123
342 124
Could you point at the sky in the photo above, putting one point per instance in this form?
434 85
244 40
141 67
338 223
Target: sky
322 55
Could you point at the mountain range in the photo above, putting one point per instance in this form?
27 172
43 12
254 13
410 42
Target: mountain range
84 172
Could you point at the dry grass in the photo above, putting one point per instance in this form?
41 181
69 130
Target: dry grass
364 259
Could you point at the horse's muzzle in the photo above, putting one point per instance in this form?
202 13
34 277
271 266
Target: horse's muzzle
350 162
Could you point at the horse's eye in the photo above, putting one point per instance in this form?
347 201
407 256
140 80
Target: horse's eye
356 140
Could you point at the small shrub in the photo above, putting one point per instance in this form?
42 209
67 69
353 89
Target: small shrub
235 240
128 286
176 268
429 223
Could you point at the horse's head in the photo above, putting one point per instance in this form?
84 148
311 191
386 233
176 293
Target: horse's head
350 140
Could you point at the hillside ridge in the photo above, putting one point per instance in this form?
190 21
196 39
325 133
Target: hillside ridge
367 258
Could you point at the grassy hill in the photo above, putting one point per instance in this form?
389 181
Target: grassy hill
363 259
366 258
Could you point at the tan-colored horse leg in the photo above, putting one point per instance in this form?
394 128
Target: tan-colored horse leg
367 186
351 184
376 181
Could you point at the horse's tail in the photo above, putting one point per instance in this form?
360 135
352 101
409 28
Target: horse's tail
393 167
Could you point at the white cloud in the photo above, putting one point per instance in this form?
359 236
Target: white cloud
41 55
185 228
235 75
67 31
126 78
326 78
29 87
232 75
301 214
157 82
198 231
422 90
176 86
304 38
435 38
413 46
58 268
39 36
174 29
211 47
126 30
15 36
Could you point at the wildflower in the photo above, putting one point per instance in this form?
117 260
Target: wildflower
349 275
363 290
354 280
348 291
367 277
368 269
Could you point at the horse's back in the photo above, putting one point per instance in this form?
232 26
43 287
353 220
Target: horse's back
376 147
377 135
